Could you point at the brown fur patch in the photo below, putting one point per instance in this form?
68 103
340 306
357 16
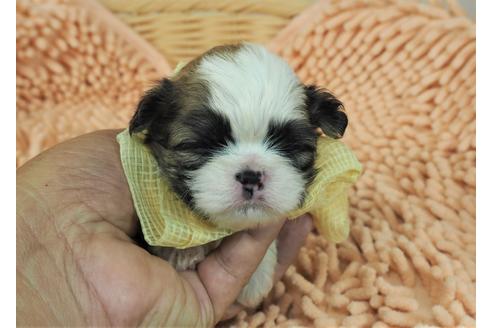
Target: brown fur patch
193 89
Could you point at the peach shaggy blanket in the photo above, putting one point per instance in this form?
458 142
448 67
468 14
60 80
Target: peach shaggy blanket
406 73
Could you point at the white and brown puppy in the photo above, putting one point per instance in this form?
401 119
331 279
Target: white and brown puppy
234 132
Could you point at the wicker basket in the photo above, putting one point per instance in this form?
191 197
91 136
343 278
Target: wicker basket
181 30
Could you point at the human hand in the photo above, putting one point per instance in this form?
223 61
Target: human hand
77 263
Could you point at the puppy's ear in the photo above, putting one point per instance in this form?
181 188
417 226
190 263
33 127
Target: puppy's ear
157 107
325 111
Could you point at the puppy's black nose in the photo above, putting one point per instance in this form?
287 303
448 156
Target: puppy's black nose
249 177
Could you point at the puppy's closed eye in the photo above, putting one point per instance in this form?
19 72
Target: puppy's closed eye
186 146
291 137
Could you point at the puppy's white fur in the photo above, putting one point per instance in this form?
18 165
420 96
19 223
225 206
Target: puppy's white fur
261 282
252 88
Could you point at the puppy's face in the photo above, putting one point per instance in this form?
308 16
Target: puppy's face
235 134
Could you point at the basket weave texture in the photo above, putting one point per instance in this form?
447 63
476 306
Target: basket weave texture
182 30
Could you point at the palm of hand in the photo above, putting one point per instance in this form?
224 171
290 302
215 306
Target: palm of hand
75 208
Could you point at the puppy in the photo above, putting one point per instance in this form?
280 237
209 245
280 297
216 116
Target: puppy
234 133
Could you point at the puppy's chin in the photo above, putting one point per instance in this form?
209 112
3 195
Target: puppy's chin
245 217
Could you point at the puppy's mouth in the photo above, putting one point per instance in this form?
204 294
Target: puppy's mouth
259 210
258 205
248 206
253 202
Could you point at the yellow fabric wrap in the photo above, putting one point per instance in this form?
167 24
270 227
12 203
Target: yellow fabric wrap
167 221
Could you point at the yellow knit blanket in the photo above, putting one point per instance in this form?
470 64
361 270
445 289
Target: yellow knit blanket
167 221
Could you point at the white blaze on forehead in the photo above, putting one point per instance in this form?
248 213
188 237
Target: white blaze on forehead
252 87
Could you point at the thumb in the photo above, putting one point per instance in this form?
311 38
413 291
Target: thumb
226 270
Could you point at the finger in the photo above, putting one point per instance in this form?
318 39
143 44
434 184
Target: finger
289 242
225 271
